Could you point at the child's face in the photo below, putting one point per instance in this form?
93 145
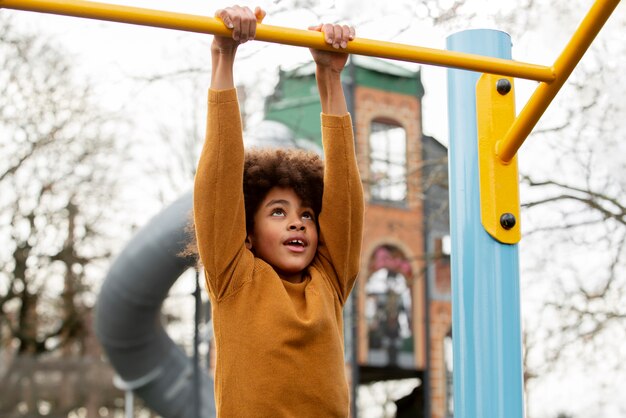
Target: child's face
285 233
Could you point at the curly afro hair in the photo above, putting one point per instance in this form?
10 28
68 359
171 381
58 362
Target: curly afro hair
302 171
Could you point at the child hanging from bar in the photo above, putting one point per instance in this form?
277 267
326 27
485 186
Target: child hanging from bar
281 253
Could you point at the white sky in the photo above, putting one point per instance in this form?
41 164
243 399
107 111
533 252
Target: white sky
113 51
105 49
109 49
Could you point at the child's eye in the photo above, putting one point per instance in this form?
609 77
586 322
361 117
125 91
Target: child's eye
278 212
308 216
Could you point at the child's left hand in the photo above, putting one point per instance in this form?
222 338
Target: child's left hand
338 36
242 21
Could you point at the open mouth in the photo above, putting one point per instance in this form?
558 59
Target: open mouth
295 243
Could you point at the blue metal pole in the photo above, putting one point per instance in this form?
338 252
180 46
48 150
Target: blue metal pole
486 330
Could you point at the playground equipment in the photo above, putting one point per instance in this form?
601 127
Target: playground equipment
127 322
483 176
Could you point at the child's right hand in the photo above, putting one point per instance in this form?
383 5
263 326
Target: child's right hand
243 23
338 37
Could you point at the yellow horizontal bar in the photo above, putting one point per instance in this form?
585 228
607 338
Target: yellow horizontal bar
597 16
296 37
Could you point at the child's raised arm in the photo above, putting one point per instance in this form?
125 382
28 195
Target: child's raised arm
329 66
219 214
243 23
341 218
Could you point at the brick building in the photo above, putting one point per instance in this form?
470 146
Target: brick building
401 303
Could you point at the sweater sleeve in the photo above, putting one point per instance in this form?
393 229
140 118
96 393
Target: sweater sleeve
219 213
341 218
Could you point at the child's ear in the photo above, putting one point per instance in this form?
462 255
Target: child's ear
248 242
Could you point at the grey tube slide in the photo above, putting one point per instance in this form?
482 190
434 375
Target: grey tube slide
128 322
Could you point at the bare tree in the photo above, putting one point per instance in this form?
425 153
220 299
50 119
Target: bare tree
57 187
59 217
574 206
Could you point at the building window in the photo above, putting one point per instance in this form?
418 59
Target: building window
388 310
447 355
387 162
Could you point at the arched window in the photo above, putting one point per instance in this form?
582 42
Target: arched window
447 355
388 309
387 162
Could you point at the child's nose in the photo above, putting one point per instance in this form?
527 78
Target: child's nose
296 225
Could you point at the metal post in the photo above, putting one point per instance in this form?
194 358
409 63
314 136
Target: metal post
129 404
196 346
129 396
485 273
351 308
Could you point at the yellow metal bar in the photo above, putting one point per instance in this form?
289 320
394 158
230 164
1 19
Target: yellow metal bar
296 37
597 16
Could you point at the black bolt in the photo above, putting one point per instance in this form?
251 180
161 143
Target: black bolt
503 86
507 220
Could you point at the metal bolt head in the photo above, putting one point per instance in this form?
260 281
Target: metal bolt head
503 86
507 220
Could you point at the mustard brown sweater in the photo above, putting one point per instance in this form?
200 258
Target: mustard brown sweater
279 345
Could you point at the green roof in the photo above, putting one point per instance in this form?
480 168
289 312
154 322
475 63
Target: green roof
295 101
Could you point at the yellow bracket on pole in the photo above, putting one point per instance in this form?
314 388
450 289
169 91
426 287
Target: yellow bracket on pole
499 185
